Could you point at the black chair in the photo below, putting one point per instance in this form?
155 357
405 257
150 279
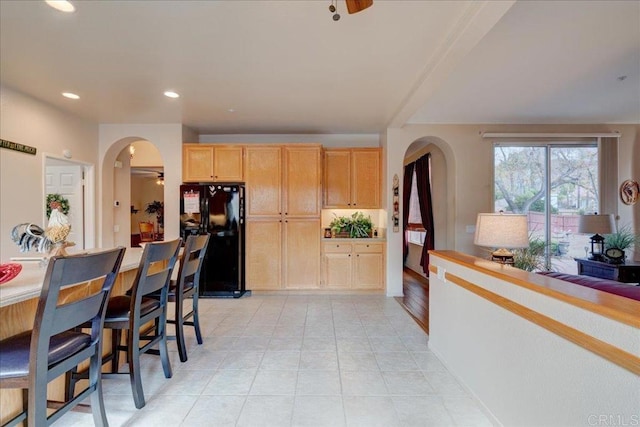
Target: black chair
185 287
32 359
132 312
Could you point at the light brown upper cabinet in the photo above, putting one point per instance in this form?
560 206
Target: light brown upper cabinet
284 180
263 175
352 178
302 181
212 162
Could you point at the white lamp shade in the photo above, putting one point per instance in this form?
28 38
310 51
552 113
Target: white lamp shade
496 230
596 224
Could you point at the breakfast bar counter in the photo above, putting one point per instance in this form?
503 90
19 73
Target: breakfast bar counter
28 283
18 305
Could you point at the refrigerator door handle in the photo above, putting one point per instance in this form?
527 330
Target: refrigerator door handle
204 223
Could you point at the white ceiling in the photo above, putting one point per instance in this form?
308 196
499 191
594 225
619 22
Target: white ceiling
287 67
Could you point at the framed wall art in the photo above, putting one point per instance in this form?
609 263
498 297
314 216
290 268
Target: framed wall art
629 192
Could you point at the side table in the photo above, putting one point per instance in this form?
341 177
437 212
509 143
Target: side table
626 273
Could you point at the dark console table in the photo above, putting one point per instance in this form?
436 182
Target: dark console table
627 273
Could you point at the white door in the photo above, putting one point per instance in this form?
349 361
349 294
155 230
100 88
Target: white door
67 181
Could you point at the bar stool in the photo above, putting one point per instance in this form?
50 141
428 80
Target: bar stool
32 359
185 287
132 312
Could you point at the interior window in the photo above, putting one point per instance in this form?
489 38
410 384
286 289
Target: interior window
553 184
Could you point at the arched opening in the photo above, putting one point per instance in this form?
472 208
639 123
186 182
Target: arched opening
439 193
120 169
147 190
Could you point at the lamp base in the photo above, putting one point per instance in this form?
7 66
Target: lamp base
502 256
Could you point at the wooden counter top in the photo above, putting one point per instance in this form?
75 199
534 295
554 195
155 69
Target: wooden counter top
28 283
615 307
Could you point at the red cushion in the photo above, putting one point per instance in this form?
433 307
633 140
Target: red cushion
611 286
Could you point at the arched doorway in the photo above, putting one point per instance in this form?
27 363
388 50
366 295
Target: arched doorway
147 189
439 194
117 224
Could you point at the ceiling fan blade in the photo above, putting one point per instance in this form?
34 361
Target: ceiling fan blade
355 6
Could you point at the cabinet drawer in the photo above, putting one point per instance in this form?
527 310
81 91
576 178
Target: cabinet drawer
368 248
342 248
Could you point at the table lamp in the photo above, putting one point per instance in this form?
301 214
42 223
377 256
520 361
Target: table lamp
596 224
502 231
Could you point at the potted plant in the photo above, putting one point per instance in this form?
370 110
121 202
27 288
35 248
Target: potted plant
354 226
623 239
156 207
531 258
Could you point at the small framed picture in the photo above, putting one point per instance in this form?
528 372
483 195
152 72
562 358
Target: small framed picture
327 233
629 192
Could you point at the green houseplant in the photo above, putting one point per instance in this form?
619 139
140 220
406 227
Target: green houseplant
623 239
156 208
531 258
356 225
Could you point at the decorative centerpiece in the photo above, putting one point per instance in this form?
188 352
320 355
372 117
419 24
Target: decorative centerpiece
53 239
58 230
355 226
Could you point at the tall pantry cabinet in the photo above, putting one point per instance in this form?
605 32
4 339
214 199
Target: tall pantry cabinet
283 201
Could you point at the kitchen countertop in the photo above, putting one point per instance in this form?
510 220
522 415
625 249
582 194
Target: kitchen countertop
28 283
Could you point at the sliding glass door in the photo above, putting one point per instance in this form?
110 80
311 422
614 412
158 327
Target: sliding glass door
553 184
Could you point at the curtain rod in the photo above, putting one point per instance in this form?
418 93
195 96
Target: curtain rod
550 135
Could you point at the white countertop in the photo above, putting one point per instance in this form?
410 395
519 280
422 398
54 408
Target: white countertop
28 283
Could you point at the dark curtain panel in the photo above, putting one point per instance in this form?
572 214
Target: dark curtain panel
426 209
406 198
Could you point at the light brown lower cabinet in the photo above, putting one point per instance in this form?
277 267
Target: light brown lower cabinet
347 265
283 254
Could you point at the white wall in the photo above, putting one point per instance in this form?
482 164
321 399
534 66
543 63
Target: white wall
28 121
524 374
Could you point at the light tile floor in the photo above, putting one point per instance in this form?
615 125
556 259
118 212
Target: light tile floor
296 361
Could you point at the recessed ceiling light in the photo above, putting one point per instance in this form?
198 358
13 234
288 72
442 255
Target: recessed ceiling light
171 94
231 110
70 95
61 5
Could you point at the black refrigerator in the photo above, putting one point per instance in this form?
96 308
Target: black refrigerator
218 209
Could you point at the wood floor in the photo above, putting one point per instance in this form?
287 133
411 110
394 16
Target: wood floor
416 297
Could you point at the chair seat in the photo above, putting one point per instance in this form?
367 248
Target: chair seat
118 308
14 351
173 287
